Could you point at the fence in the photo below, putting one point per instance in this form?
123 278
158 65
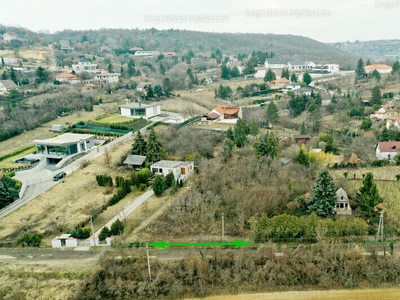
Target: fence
194 119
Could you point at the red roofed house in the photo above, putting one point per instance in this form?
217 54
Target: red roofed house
387 150
393 120
381 68
136 49
280 82
67 77
168 53
384 112
226 113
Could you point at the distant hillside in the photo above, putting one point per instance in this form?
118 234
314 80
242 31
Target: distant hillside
289 47
375 50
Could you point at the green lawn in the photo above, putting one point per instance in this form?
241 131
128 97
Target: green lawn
8 162
114 119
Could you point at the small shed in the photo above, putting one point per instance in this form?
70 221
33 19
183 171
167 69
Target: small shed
343 204
134 161
57 128
64 240
302 138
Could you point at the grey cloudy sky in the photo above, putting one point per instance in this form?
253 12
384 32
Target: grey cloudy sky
323 20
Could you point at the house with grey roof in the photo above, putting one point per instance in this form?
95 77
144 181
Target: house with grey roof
139 110
6 85
181 169
134 161
275 63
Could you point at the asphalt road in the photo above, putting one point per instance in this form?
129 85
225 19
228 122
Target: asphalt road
31 192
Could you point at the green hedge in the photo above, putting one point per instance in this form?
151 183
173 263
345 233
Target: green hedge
96 132
16 152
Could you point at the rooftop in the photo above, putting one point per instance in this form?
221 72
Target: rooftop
276 61
64 139
8 84
65 75
226 110
136 160
377 66
170 164
137 105
389 146
300 62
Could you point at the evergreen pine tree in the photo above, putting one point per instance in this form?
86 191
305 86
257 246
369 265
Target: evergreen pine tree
241 130
272 113
376 96
285 73
5 196
367 198
303 129
368 63
154 148
139 147
110 68
253 128
396 67
159 186
150 92
360 68
293 77
266 145
302 158
323 196
104 233
169 179
375 74
269 76
307 78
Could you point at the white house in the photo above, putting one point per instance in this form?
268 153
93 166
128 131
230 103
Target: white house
64 240
181 169
300 66
107 77
387 150
326 69
10 60
393 120
85 65
384 112
57 148
275 63
305 90
343 204
9 36
145 53
260 72
6 85
227 113
381 68
138 110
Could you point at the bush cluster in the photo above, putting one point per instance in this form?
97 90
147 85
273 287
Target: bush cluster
83 233
103 180
121 192
287 228
28 239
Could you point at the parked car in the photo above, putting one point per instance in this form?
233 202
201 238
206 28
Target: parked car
59 176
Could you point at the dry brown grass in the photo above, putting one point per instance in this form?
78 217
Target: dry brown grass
69 202
367 294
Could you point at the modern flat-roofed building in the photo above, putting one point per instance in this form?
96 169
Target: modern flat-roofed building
138 110
180 169
59 147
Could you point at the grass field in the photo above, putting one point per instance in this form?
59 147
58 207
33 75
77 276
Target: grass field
8 162
367 294
23 139
69 202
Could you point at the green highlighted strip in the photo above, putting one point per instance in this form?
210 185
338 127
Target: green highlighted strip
164 244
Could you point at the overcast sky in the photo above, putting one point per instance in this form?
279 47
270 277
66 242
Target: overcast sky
322 20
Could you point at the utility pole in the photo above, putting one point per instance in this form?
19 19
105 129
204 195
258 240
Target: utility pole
91 223
148 261
223 228
380 228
